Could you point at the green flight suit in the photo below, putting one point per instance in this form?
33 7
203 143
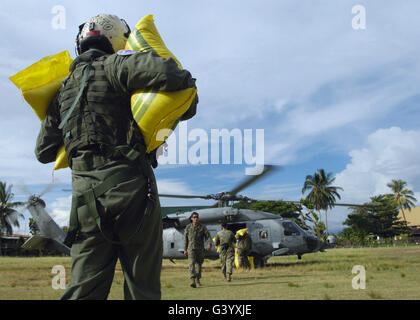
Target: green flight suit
120 219
194 237
244 249
225 239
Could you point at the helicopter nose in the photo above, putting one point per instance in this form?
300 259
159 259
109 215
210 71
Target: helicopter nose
313 244
321 245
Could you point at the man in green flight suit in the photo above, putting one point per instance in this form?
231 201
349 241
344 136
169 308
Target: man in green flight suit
225 239
115 208
194 236
244 248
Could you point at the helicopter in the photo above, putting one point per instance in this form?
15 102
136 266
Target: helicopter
50 236
271 234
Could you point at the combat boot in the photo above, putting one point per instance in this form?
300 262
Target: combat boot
198 282
229 279
193 285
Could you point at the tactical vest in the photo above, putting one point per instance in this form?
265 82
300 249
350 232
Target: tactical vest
101 117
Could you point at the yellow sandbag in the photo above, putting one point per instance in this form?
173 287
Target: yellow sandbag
240 232
154 111
217 247
250 259
61 161
39 83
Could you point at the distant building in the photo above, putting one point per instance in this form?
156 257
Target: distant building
413 219
10 243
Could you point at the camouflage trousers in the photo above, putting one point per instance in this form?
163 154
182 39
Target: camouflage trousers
139 248
227 258
243 259
195 262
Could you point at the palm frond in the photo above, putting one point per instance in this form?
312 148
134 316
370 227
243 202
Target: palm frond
9 217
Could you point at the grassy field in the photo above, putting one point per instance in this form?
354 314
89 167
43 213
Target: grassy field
391 273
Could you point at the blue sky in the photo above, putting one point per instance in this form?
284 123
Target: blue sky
326 95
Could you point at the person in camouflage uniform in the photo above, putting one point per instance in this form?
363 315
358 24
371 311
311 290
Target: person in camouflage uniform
244 246
194 236
225 239
115 208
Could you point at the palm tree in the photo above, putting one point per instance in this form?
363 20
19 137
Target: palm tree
8 216
403 197
322 194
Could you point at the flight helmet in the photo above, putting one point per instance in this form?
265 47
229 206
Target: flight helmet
104 31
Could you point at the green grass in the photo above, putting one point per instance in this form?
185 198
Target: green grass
391 273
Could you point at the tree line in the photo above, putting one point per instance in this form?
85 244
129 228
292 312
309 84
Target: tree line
378 217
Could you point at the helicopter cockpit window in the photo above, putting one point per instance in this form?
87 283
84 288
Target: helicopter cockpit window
290 229
263 234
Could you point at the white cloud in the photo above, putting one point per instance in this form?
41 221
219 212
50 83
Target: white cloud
176 187
339 114
387 154
172 186
60 210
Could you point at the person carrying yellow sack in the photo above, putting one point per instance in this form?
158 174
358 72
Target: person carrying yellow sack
225 244
244 245
157 113
115 206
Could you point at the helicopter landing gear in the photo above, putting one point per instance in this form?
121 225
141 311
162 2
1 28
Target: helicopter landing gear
259 262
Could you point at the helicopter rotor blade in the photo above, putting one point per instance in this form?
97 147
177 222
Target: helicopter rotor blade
183 196
335 204
253 179
348 205
47 189
21 206
22 187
